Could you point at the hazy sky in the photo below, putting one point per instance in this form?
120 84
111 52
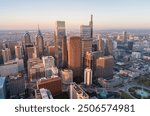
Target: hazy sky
108 14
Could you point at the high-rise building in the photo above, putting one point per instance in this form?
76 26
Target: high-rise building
18 51
52 84
104 67
90 60
39 42
36 72
64 53
77 92
26 38
51 50
2 87
74 55
86 31
33 70
86 47
88 76
101 45
48 61
31 51
60 34
86 34
6 53
16 85
109 47
67 76
91 25
125 37
130 45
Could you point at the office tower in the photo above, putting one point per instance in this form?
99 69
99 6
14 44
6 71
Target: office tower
104 67
6 53
18 51
130 45
16 86
52 84
74 55
2 87
125 37
67 76
101 44
77 92
85 31
109 47
88 76
90 60
31 51
48 61
86 47
91 25
36 72
26 38
64 53
39 43
60 34
51 50
31 71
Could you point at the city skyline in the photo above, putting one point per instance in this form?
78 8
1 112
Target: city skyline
108 14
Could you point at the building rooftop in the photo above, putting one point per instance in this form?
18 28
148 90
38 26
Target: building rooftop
79 90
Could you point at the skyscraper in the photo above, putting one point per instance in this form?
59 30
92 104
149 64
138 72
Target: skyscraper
109 47
6 53
86 31
104 67
51 50
31 51
64 53
48 62
26 38
39 42
88 76
60 34
91 25
18 51
125 36
101 45
74 55
86 34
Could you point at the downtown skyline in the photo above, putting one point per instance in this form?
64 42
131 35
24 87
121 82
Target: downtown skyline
108 14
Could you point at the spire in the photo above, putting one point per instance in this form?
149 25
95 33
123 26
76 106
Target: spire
39 32
92 19
91 25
